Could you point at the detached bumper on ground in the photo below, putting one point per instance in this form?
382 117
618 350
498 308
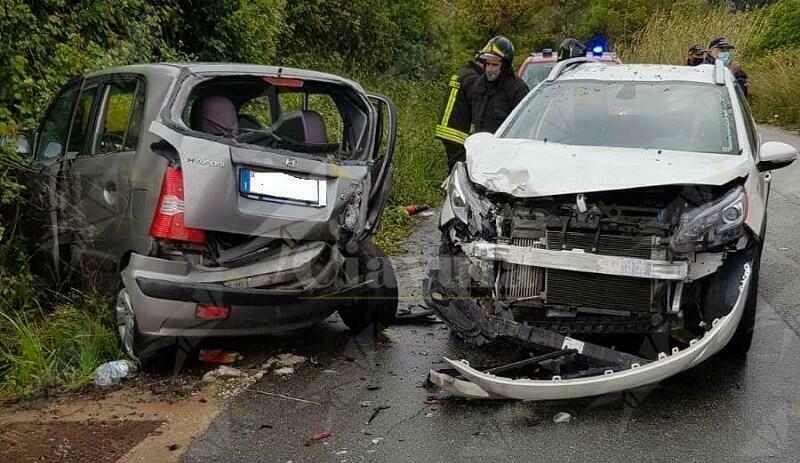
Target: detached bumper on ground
288 291
463 314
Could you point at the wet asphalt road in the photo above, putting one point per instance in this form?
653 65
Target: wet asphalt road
724 410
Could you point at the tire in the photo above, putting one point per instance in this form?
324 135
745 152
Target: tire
742 338
154 354
380 301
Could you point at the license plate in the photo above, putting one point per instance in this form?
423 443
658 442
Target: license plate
282 187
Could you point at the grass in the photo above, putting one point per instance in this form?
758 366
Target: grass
420 165
667 35
774 76
775 88
58 350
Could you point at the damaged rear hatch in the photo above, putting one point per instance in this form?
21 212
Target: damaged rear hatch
272 152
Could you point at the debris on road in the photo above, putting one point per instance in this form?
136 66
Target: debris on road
376 412
320 436
416 314
219 356
283 396
111 373
373 387
414 209
285 371
222 372
377 440
284 361
366 403
433 401
562 417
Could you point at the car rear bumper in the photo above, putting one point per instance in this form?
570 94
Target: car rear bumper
165 294
476 384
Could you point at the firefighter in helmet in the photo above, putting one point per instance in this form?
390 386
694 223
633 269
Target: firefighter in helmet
498 91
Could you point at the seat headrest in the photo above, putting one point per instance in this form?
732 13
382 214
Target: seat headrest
215 115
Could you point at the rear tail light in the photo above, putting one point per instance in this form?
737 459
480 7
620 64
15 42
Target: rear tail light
168 220
211 312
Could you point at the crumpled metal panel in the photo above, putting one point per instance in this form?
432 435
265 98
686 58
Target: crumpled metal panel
668 364
528 168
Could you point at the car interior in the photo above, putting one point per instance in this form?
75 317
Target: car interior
302 116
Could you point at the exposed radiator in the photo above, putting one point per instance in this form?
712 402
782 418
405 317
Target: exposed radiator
523 281
576 289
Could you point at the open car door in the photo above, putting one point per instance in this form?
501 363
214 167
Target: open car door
383 154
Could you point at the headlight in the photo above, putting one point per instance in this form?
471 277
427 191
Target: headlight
457 189
713 225
468 206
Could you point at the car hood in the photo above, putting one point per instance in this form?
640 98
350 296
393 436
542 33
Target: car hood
528 168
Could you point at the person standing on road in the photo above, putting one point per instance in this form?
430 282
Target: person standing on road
721 49
696 55
498 90
456 114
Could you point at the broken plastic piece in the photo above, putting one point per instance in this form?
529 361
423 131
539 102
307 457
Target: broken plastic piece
562 417
320 436
219 356
222 372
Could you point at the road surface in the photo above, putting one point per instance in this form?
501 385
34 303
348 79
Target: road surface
723 410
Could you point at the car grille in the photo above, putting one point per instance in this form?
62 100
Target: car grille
577 289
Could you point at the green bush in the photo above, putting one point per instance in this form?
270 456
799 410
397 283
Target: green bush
55 39
774 80
784 26
245 31
371 35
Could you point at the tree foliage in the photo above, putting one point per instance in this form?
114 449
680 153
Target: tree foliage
784 26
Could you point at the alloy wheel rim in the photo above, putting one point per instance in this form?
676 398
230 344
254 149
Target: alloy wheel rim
126 323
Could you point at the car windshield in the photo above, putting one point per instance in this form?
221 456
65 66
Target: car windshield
535 73
681 116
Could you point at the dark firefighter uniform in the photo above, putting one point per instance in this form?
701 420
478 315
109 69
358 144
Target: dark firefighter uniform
456 114
497 96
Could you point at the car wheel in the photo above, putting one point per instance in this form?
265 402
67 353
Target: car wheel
380 300
742 338
152 353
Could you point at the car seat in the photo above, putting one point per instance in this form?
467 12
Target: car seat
215 115
301 126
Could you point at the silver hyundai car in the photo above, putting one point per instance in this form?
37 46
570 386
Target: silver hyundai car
613 226
218 199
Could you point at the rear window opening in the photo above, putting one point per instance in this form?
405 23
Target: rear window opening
302 116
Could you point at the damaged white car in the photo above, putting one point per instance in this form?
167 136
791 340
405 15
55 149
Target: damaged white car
613 226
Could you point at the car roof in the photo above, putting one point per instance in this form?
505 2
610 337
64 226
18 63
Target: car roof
174 69
640 72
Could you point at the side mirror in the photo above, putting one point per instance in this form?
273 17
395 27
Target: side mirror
775 154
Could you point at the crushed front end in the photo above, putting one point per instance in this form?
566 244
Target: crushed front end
607 290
